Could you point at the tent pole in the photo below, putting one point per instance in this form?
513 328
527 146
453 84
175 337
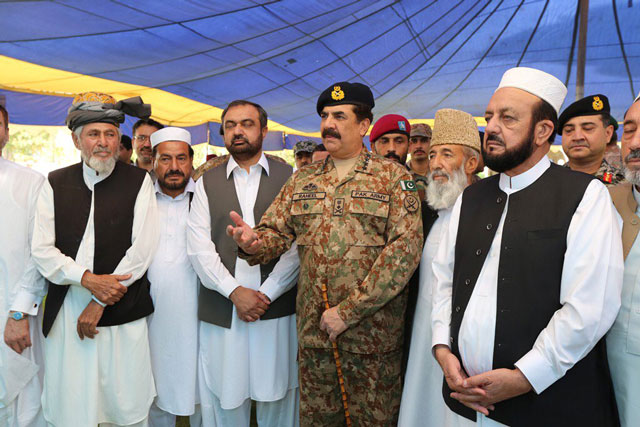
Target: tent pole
582 48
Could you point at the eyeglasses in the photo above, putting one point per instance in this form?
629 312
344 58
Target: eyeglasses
141 138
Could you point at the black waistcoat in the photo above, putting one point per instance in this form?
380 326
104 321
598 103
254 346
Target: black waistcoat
214 307
529 277
114 199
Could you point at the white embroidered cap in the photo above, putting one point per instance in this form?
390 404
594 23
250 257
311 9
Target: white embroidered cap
536 82
170 134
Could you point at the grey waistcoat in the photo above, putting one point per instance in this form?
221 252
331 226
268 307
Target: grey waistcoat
213 307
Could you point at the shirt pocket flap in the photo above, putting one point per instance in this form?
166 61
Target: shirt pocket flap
369 203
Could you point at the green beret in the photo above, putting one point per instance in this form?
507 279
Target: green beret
589 106
345 93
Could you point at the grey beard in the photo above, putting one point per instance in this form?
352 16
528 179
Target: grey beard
443 195
100 166
632 175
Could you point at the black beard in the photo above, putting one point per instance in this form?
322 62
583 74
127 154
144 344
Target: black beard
511 158
247 150
170 185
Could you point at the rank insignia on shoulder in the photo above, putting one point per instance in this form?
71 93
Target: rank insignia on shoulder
310 187
408 185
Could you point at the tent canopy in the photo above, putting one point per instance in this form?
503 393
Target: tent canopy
190 58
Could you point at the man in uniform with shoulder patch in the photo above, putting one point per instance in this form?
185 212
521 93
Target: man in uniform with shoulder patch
356 220
586 127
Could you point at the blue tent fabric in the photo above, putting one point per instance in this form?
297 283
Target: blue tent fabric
416 55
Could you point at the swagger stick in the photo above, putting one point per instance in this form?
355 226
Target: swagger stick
336 357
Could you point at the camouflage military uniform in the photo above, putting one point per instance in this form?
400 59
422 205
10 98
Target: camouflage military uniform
362 237
212 163
608 174
420 180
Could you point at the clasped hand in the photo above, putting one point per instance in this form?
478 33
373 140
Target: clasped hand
106 287
250 304
480 392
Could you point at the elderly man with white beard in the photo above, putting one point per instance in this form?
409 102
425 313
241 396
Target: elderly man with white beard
623 339
95 234
453 157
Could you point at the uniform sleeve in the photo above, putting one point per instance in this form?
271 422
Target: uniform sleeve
51 262
202 251
590 291
275 228
145 235
398 259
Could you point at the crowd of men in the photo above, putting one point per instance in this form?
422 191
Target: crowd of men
357 289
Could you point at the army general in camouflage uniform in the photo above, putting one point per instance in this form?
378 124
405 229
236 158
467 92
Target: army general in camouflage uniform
586 127
356 220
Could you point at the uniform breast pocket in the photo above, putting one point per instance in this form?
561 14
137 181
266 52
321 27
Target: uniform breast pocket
306 215
368 221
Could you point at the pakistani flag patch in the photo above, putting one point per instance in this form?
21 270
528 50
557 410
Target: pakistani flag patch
408 185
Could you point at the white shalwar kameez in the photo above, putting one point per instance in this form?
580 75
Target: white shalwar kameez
249 361
21 289
173 326
589 291
422 403
106 379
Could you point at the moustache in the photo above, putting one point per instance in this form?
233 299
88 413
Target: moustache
439 172
101 150
173 173
239 138
634 154
330 132
392 155
495 138
419 151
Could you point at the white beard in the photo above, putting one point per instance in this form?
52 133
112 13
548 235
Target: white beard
442 195
632 175
100 166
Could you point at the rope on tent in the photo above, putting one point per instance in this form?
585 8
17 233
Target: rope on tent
535 29
624 55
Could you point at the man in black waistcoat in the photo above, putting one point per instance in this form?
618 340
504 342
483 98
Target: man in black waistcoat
529 275
248 345
95 233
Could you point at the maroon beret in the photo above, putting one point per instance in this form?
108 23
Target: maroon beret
391 123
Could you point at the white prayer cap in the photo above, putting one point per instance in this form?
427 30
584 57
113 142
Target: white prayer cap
536 82
170 134
637 97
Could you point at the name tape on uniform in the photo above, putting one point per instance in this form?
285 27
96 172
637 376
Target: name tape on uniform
309 196
370 195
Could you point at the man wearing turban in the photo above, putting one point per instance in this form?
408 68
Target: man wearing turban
95 235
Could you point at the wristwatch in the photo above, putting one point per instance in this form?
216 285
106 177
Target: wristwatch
18 315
